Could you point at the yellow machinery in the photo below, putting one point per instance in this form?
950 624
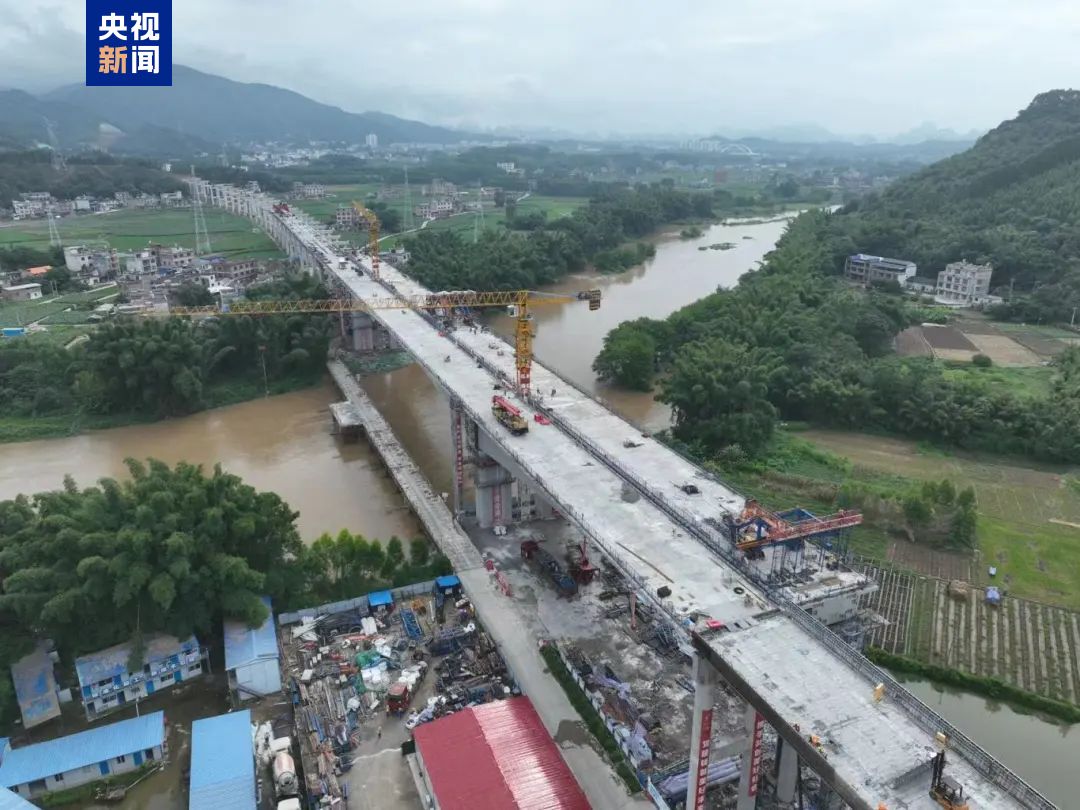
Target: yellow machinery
517 302
945 790
373 235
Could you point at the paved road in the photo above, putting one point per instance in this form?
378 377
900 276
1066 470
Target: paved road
519 649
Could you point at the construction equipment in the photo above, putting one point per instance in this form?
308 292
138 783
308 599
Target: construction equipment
442 304
509 416
285 782
945 790
770 528
531 550
373 235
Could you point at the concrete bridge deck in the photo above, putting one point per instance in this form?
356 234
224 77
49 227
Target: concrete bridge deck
796 672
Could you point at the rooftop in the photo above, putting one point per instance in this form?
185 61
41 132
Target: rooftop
222 763
35 687
30 286
497 756
244 644
101 666
22 765
9 801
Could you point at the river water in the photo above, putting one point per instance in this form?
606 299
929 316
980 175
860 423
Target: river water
1044 753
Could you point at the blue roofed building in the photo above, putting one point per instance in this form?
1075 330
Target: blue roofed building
380 599
88 756
106 683
222 763
251 657
35 687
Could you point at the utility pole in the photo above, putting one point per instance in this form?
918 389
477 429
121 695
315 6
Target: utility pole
54 232
1072 320
262 356
406 214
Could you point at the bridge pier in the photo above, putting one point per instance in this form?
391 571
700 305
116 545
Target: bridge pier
363 332
701 733
788 771
750 764
494 493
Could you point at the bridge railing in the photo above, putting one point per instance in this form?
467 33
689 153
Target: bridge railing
922 714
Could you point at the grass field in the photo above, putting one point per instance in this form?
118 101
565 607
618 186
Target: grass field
1030 381
54 309
1036 557
230 235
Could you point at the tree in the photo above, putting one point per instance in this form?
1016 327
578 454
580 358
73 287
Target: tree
628 357
718 393
192 294
917 511
60 280
172 549
419 551
982 361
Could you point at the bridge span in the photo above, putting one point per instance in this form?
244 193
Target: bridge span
623 490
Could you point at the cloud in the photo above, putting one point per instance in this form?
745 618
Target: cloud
877 66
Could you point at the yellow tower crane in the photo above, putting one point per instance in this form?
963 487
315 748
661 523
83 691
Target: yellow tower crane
373 235
518 303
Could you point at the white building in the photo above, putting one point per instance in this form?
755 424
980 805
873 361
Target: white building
26 209
251 657
866 269
81 203
142 262
172 197
966 283
21 292
372 141
67 762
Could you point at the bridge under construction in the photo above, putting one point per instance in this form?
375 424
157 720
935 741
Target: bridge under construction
754 620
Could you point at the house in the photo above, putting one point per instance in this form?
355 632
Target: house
222 763
105 682
37 272
26 209
21 292
251 657
866 269
172 197
35 687
175 257
346 218
966 283
142 262
88 756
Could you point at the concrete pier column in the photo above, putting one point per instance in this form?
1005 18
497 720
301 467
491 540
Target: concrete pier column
701 734
788 776
457 443
363 336
494 504
750 765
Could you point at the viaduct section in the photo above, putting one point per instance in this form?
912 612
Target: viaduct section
870 739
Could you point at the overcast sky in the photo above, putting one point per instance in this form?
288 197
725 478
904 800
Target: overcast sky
694 66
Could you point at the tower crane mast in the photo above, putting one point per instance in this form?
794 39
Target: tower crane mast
373 235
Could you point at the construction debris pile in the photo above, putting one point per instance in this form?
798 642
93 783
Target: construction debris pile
349 670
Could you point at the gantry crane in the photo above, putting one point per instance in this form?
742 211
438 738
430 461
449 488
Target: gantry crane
769 528
517 302
373 235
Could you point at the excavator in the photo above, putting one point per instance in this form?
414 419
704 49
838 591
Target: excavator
945 790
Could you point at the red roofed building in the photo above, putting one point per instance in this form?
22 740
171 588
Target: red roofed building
497 756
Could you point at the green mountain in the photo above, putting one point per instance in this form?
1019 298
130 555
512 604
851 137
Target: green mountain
221 110
1012 200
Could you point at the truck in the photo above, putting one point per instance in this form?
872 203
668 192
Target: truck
509 416
397 698
285 782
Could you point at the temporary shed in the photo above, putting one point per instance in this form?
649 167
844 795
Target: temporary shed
251 657
380 599
497 756
222 763
35 687
76 759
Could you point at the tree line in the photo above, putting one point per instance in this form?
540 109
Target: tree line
173 550
164 367
792 341
1012 200
595 233
93 174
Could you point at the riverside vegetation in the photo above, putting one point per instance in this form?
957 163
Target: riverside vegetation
174 550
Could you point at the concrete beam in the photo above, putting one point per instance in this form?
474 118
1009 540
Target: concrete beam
701 733
791 738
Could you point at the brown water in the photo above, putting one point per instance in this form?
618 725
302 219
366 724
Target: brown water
281 443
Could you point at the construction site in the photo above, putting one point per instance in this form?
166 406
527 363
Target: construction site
365 672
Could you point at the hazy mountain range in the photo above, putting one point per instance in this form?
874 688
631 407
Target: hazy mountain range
200 112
